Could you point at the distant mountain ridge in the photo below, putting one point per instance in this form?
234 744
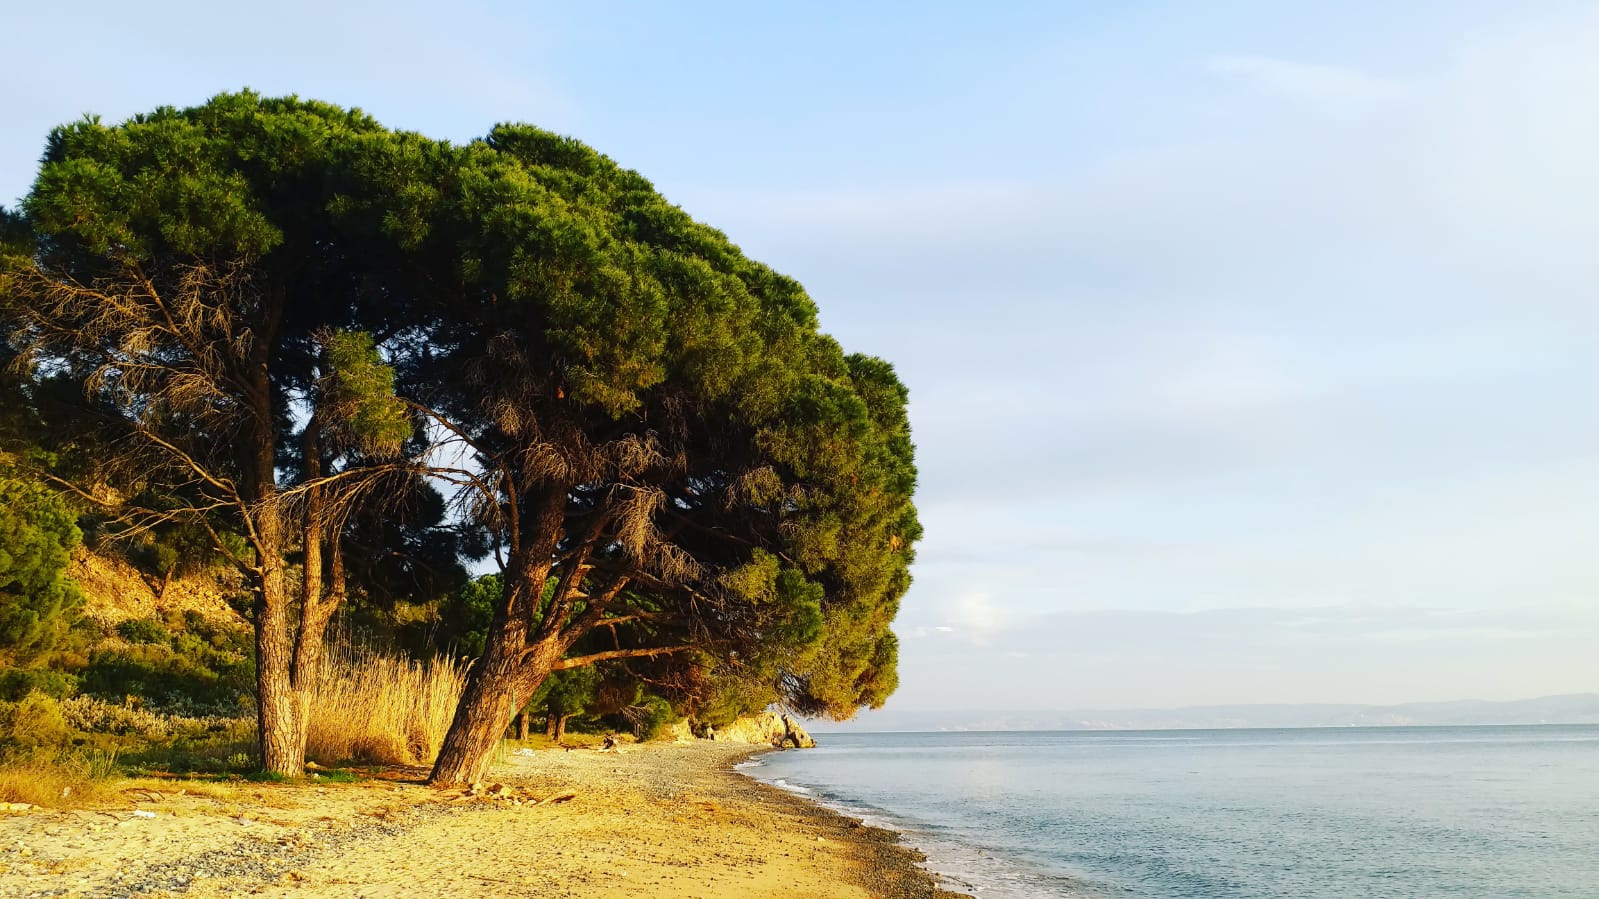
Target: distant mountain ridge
1572 708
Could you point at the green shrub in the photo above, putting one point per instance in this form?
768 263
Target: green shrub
649 716
143 630
15 683
194 675
189 664
38 602
32 723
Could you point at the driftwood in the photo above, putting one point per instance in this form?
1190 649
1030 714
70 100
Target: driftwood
500 792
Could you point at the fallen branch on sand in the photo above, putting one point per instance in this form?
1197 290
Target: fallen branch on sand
502 793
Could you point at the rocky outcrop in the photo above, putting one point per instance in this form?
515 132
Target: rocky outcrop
115 591
765 729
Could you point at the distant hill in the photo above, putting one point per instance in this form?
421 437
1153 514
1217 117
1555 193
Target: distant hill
1575 708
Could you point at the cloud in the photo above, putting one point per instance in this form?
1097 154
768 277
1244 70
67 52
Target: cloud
1304 81
975 615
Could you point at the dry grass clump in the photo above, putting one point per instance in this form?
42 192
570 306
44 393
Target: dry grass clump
377 708
56 779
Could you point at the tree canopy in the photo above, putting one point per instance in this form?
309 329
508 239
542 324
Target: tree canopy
287 316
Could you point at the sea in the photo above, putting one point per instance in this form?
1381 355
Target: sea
1324 813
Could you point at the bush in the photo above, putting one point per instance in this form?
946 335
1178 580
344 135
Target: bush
215 682
201 667
649 716
15 683
38 603
143 630
90 715
32 723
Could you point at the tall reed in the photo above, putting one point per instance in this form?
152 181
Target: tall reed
372 707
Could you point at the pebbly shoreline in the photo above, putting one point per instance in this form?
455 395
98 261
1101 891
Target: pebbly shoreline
656 820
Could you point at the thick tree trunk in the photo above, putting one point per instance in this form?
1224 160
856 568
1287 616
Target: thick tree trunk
500 682
549 725
560 728
521 726
516 657
281 703
278 704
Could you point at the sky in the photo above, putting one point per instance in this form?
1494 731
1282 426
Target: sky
1250 346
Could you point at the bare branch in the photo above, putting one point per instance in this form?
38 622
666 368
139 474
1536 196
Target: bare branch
610 654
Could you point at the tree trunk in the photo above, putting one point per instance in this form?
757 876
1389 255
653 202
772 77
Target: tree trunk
511 667
560 728
549 725
278 704
500 682
521 726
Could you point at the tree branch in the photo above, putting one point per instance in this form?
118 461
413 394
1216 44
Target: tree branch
609 654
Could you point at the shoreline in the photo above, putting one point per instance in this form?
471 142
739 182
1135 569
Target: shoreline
658 819
893 858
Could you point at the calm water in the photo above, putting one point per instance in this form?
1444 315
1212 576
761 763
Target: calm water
1478 812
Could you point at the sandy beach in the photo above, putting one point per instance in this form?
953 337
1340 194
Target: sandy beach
655 820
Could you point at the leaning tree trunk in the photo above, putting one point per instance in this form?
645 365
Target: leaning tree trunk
511 667
500 682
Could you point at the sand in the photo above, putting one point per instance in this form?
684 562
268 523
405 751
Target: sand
656 820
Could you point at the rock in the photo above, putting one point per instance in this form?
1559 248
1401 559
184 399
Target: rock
15 807
767 728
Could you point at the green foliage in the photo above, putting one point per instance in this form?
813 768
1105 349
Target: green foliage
465 615
33 722
16 683
196 666
143 630
37 534
650 715
359 391
408 585
568 692
182 548
755 580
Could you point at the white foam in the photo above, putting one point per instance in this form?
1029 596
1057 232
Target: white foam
780 783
